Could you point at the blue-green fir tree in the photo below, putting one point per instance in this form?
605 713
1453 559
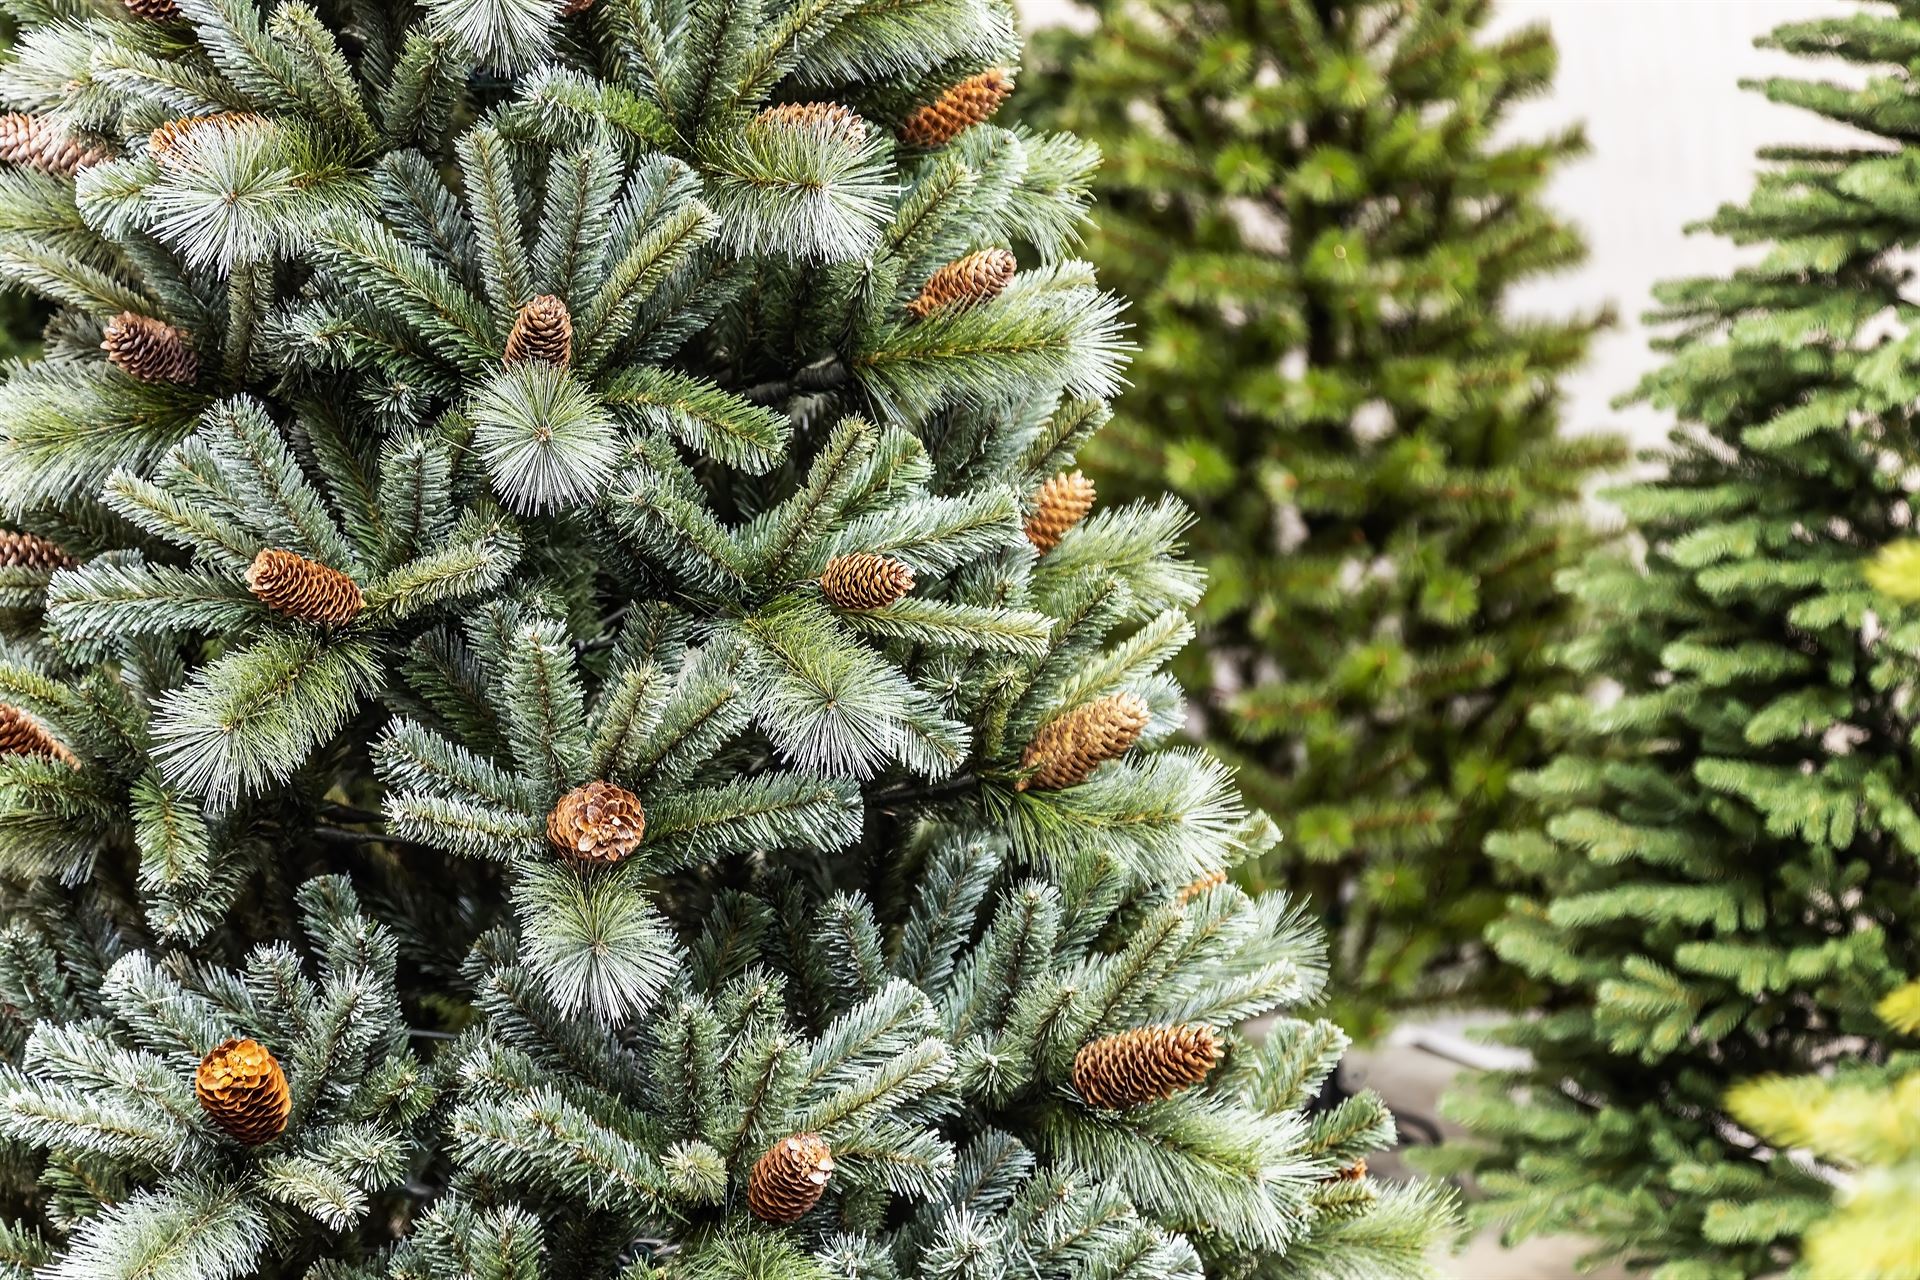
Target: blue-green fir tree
556 718
1722 887
1321 215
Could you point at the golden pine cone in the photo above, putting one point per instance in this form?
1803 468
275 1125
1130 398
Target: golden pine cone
1144 1065
828 117
304 589
1060 504
789 1178
31 551
1211 880
243 1090
153 10
40 144
1068 749
166 141
864 580
150 350
976 278
22 735
599 822
542 331
965 105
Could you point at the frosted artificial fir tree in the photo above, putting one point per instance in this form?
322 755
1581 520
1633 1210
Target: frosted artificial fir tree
1723 886
559 716
1310 204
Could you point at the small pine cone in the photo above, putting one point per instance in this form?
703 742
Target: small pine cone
168 140
150 350
1211 880
790 1178
22 735
1353 1172
599 822
1143 1065
965 105
865 580
976 278
542 331
827 117
304 589
1060 504
153 10
570 7
243 1090
40 144
31 551
1067 750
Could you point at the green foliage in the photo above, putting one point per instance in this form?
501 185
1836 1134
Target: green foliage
333 820
1321 216
1720 890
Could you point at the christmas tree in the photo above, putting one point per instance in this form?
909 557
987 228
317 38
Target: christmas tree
1722 887
560 717
1321 221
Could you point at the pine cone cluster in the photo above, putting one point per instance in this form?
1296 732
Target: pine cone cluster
153 10
243 1090
1060 504
827 117
864 580
150 350
971 102
1069 748
971 280
40 144
304 589
1144 1065
31 551
543 331
22 735
597 823
167 140
790 1178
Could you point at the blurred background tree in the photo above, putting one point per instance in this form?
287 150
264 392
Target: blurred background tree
1314 208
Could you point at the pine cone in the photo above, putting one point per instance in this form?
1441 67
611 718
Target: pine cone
150 350
972 280
865 580
304 589
957 110
828 117
599 822
41 144
1352 1173
167 140
1060 504
570 7
1211 880
1068 749
1143 1065
790 1178
22 735
243 1090
542 331
31 551
153 10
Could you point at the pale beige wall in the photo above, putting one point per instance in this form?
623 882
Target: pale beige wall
1657 83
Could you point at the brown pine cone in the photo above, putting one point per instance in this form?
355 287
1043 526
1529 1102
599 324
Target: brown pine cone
828 117
150 350
22 735
1069 748
40 144
570 7
864 580
31 551
1060 504
167 140
542 331
599 822
1352 1173
1143 1065
304 589
153 10
965 105
790 1178
974 279
1211 880
243 1090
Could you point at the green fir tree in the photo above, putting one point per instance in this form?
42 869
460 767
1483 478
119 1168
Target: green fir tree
1722 886
551 722
1321 219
